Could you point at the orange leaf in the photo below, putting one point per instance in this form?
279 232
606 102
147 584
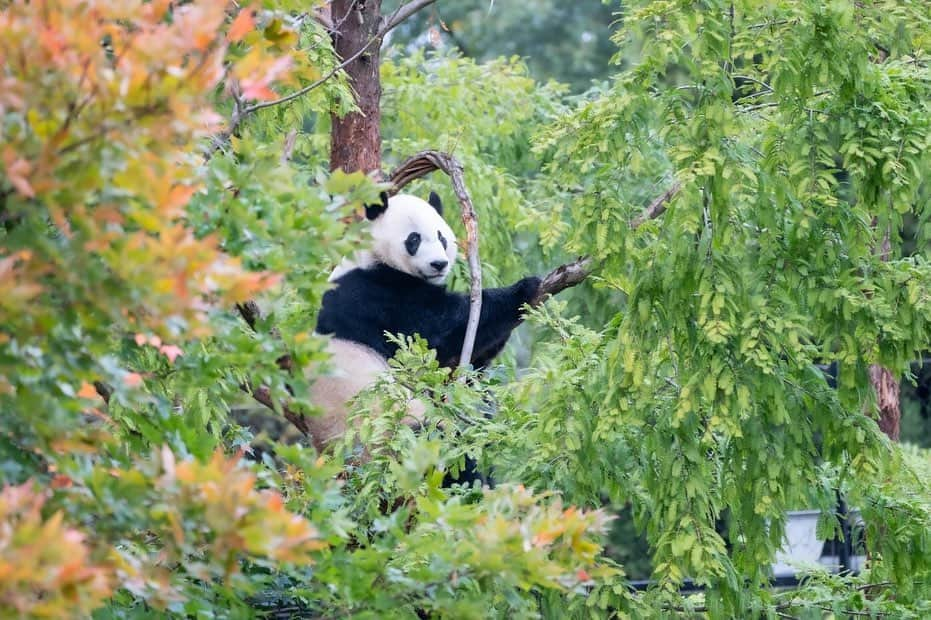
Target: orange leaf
88 391
171 352
258 91
17 171
176 199
61 481
132 379
275 503
243 23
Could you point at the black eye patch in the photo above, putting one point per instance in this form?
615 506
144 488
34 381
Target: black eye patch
412 243
442 239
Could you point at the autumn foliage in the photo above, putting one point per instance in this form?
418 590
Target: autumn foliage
45 565
109 101
105 109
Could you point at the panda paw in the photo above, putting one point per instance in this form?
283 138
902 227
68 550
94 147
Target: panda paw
527 288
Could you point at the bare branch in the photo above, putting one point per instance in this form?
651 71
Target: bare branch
251 314
656 208
263 395
561 278
420 165
404 12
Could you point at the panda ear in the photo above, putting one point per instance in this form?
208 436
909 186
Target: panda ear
435 202
373 211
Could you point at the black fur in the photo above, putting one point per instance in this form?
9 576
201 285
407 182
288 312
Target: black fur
373 211
435 202
412 243
366 303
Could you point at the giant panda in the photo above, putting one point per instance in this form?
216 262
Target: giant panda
398 285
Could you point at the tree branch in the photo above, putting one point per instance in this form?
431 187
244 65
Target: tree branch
251 314
561 278
404 12
390 22
656 208
420 165
263 395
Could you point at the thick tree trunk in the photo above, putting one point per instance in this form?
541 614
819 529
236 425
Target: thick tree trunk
355 139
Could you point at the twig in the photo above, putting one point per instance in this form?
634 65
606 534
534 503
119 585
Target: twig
391 21
263 395
251 314
656 208
420 165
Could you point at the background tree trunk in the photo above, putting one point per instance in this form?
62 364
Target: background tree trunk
885 384
355 139
887 399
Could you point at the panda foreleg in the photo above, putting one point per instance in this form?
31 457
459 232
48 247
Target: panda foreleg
501 313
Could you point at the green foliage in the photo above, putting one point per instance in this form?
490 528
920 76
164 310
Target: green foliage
799 141
681 386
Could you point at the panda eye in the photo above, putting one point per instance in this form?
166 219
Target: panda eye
442 239
412 243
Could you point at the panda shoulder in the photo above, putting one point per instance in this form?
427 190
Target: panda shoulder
363 259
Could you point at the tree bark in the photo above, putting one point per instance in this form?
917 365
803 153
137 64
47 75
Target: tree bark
887 400
355 139
885 384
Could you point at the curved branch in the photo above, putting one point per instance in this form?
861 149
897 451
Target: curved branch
420 165
561 278
404 12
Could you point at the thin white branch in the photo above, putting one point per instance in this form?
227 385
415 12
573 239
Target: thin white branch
404 12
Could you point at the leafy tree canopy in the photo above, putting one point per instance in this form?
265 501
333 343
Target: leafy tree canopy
680 383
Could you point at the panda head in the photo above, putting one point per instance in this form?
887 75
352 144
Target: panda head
410 235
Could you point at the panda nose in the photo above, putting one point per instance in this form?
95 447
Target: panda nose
439 265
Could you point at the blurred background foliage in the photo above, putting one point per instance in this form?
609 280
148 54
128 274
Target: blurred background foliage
568 42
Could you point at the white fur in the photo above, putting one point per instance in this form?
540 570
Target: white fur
355 367
362 259
406 214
